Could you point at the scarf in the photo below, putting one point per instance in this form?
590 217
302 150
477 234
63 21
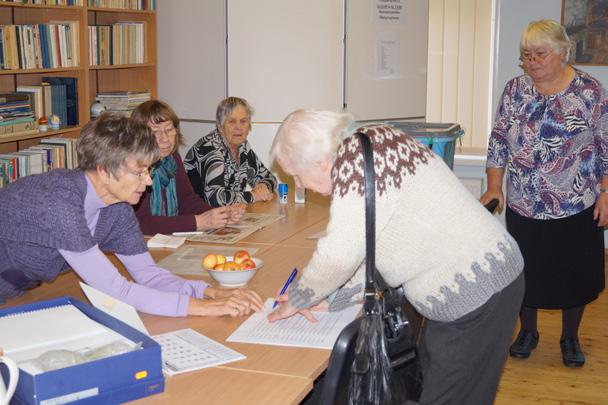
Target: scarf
163 181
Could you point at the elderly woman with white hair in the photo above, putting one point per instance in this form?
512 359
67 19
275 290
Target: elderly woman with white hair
222 166
458 266
550 135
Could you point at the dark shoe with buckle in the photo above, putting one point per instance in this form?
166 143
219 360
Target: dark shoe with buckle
524 344
571 352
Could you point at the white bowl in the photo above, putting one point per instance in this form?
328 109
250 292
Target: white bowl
235 278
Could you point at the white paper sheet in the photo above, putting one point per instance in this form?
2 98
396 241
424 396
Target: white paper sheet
295 331
166 241
116 308
186 350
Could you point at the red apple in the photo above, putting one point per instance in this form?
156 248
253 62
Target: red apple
240 256
247 264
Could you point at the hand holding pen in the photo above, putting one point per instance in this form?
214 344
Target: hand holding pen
285 286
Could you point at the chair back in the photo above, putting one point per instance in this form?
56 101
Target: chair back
335 384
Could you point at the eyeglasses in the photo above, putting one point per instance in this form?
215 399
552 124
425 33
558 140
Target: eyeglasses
168 132
142 174
539 56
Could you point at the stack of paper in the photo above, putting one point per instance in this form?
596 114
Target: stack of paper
166 241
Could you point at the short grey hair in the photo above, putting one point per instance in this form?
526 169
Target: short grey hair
227 105
108 141
308 136
546 32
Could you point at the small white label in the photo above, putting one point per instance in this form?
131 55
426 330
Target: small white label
74 396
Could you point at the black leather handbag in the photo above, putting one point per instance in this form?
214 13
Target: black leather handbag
374 359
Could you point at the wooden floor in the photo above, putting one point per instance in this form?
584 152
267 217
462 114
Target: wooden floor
542 379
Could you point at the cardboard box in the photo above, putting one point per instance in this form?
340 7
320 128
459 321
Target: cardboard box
112 380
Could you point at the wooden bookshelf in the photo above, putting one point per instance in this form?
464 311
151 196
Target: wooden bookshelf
91 79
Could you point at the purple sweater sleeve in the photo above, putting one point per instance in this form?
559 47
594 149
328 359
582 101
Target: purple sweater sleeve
189 205
155 291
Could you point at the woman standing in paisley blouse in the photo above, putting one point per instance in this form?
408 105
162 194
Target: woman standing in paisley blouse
550 136
222 164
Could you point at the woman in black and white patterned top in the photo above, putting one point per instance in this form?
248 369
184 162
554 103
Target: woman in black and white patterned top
221 164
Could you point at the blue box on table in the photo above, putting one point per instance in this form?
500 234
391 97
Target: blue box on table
110 380
439 137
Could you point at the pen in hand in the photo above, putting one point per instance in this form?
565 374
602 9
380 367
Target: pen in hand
289 280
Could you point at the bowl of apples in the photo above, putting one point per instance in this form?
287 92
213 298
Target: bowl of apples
232 271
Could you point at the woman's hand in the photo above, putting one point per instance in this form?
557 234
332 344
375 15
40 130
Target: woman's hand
234 303
600 212
213 218
493 194
494 175
255 302
285 310
235 212
261 193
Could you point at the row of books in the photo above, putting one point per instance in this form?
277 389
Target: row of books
39 46
49 2
16 115
126 4
117 44
123 102
51 153
54 96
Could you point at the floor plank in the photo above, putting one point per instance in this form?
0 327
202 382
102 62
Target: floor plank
542 379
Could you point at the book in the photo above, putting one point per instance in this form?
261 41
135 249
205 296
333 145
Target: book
47 99
36 160
69 145
59 102
71 95
166 241
17 127
36 99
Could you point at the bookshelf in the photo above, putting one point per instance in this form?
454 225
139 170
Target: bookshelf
91 79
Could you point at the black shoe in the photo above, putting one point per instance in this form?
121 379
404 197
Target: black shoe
571 352
524 344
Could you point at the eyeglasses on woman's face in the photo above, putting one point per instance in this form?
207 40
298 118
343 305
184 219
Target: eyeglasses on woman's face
164 129
535 55
142 175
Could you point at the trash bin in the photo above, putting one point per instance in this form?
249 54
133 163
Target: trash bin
439 137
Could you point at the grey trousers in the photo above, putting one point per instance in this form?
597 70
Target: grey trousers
462 360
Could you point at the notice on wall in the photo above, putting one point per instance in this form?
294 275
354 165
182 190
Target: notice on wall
392 11
388 55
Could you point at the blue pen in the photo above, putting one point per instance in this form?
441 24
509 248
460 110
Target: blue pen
289 280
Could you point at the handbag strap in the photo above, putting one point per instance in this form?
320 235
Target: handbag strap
370 215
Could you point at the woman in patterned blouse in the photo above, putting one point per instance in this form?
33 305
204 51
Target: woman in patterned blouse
222 164
550 136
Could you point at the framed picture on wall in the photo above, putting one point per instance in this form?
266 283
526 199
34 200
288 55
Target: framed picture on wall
586 23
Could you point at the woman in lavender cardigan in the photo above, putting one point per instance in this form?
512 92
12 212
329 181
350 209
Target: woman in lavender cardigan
68 218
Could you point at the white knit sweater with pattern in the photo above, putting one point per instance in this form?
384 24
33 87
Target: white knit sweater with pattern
432 236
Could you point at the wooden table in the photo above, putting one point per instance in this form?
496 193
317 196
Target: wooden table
269 374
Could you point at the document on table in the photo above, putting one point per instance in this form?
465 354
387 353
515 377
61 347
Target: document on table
182 350
295 331
186 350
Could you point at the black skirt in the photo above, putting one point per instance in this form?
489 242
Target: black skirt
564 259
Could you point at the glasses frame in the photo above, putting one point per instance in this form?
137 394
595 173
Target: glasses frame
141 175
169 133
535 56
